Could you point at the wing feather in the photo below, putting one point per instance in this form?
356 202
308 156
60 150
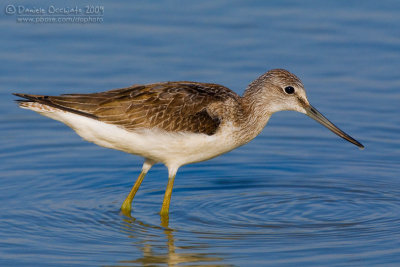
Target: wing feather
171 106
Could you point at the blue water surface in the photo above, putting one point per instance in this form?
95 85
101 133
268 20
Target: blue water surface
297 195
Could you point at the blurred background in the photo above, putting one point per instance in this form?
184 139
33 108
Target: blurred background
297 194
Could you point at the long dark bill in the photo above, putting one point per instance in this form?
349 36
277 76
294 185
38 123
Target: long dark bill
316 115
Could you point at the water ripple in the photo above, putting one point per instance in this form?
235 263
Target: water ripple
313 208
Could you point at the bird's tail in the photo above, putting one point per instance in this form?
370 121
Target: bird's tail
44 103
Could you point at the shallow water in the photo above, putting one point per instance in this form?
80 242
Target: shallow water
296 194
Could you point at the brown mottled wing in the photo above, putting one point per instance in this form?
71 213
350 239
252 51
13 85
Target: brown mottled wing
171 106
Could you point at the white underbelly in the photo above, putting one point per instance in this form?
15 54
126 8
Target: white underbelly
170 148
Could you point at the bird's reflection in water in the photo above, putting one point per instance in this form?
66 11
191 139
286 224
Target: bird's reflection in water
158 246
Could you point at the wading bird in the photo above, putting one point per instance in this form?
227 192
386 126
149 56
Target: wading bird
177 123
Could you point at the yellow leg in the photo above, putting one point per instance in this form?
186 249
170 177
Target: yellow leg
167 196
164 220
126 206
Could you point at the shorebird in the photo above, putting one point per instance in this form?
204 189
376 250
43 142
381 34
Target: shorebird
177 123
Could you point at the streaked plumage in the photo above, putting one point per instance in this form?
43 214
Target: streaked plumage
170 106
177 123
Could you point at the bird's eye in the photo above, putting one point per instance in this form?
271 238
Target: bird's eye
289 90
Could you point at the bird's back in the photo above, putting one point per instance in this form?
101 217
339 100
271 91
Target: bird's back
170 106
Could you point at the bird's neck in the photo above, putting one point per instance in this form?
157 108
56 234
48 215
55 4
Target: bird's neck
255 113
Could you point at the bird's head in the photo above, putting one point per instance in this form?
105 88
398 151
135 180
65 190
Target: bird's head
282 90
